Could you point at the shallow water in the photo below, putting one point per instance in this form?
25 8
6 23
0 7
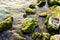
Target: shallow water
16 8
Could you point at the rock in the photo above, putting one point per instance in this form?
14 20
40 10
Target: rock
53 2
29 25
43 14
32 5
6 24
29 11
41 3
45 36
36 35
55 37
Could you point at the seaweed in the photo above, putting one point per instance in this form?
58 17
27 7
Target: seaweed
29 25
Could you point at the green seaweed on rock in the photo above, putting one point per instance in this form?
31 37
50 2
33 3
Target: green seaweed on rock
32 5
29 25
55 37
52 20
41 3
29 11
6 24
45 36
42 14
53 2
36 35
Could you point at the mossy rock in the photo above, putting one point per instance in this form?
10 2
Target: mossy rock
36 35
29 25
32 5
6 24
25 15
42 14
53 2
40 0
41 3
45 36
59 2
55 37
29 11
52 20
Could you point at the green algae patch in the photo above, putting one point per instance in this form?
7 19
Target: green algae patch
42 14
36 35
52 38
53 2
29 25
45 36
29 11
32 5
21 38
6 24
41 3
52 20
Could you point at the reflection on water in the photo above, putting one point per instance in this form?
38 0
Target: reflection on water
16 8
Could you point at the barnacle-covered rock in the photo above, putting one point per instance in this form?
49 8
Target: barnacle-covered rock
41 3
6 24
29 25
45 36
36 35
55 37
29 11
16 36
32 5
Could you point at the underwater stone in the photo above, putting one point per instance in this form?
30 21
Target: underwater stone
52 20
41 3
45 36
29 11
32 5
6 24
55 37
52 2
36 35
29 25
42 14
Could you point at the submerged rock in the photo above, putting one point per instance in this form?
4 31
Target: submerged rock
45 36
55 37
36 35
29 25
43 14
29 11
32 5
6 24
53 2
53 20
41 3
16 36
